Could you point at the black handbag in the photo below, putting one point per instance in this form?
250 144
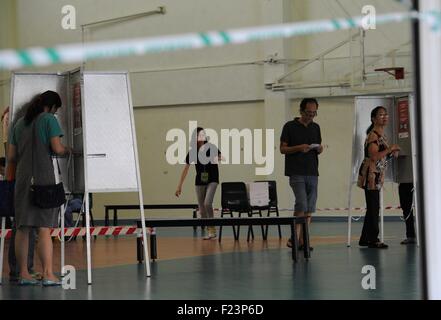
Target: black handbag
46 196
7 198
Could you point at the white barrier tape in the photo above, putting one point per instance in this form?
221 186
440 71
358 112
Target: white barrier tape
355 209
78 52
336 209
130 230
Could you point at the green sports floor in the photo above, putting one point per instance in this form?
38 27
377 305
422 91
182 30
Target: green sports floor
333 272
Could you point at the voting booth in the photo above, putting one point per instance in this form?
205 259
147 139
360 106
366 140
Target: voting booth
97 120
399 131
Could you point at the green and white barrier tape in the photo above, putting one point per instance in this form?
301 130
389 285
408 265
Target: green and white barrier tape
74 53
407 3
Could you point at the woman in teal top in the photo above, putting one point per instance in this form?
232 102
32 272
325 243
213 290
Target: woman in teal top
23 147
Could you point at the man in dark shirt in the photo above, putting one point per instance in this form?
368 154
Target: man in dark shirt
300 142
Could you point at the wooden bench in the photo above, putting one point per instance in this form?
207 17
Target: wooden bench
115 209
263 221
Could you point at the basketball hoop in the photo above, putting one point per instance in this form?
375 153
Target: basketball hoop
398 72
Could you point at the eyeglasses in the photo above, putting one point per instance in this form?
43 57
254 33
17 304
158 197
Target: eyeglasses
310 113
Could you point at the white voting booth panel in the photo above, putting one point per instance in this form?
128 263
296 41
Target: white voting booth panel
362 121
398 130
108 130
97 121
25 86
109 143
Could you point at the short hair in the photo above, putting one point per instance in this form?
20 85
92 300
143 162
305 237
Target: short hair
2 162
306 101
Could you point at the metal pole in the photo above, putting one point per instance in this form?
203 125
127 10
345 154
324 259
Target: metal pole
351 178
381 215
61 213
89 259
349 215
362 56
160 10
415 206
83 63
2 247
138 178
86 184
415 212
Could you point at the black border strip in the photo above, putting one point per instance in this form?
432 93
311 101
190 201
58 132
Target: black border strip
418 128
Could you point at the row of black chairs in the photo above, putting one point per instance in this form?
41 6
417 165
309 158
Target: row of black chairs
234 198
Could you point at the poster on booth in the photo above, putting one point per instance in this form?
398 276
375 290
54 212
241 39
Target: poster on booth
403 119
77 108
258 194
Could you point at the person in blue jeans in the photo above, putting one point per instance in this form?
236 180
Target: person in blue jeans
73 205
300 142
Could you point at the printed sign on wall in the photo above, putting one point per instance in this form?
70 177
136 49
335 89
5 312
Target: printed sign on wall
77 108
403 119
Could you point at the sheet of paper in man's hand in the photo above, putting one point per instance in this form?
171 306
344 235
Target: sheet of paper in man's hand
314 146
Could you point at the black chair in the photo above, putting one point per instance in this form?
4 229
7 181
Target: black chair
272 205
235 199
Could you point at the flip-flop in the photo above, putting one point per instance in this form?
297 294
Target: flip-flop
51 283
28 282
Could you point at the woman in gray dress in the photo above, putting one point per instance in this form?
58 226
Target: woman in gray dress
34 138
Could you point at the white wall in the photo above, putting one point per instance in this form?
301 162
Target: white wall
7 40
42 27
378 42
220 87
160 179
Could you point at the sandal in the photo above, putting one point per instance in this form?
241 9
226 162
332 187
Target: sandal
28 282
408 241
51 283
